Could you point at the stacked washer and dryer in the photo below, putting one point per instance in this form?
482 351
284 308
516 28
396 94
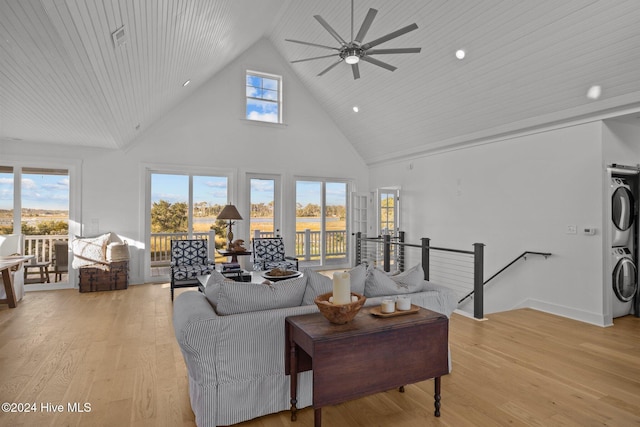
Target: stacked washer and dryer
624 246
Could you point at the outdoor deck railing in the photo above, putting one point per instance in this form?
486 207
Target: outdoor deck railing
41 246
308 244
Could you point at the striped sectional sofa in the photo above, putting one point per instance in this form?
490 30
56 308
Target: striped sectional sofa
232 337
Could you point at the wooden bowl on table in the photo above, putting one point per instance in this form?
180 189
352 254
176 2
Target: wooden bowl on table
339 314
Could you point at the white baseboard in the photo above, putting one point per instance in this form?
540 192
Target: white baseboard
559 310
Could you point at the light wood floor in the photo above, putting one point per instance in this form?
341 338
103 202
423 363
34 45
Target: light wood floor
116 351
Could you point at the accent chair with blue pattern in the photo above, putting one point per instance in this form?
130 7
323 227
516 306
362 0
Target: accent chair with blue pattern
268 253
189 259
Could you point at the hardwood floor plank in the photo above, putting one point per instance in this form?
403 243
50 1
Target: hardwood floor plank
117 352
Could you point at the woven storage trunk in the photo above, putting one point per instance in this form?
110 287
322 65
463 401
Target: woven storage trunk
111 277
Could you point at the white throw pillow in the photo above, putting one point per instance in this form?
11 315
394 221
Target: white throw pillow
212 287
89 250
411 279
117 251
241 297
317 284
358 278
379 284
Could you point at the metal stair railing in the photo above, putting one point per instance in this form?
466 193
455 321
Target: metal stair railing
522 255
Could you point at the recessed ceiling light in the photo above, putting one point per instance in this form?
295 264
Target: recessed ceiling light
356 109
186 83
594 92
460 54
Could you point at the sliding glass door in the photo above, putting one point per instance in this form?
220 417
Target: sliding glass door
321 223
183 206
34 202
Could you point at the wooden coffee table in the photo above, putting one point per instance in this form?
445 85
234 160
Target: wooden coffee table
365 356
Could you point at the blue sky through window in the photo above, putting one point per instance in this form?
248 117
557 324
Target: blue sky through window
262 99
175 188
39 191
309 192
262 190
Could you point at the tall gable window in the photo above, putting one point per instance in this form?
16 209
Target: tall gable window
264 97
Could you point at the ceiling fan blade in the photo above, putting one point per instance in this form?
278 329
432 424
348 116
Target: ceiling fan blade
356 71
398 50
312 44
390 36
366 24
329 67
378 63
311 59
331 30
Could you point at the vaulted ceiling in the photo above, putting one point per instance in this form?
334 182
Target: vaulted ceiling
528 63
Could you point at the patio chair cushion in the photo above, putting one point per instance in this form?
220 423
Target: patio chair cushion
186 272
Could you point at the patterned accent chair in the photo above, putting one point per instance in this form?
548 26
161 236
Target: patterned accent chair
189 259
268 253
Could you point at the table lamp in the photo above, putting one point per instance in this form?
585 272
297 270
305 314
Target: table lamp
229 213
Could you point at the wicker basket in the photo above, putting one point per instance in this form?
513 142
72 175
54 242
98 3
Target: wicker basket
339 314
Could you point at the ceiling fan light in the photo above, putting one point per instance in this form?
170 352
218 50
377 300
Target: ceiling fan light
352 58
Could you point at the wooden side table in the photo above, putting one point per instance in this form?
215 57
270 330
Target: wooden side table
365 356
43 271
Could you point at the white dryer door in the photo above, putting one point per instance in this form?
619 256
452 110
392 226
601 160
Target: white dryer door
622 208
625 279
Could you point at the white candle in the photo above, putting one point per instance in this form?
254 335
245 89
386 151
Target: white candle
387 306
341 288
403 303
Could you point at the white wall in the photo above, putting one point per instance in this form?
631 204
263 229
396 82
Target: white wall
207 134
514 195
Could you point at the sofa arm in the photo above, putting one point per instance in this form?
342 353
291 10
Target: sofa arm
194 319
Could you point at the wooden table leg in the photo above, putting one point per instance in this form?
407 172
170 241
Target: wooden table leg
8 288
293 357
317 417
437 397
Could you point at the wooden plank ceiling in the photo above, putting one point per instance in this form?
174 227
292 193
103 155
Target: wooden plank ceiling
528 63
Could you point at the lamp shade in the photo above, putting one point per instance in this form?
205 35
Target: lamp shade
229 212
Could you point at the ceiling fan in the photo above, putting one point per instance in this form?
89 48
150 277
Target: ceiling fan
354 51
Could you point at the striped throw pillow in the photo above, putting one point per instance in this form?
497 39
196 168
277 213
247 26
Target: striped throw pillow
242 297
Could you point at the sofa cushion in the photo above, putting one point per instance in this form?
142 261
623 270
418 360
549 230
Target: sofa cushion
411 279
241 297
317 284
212 287
378 283
358 278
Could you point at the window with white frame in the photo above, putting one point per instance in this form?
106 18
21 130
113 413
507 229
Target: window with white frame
264 97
